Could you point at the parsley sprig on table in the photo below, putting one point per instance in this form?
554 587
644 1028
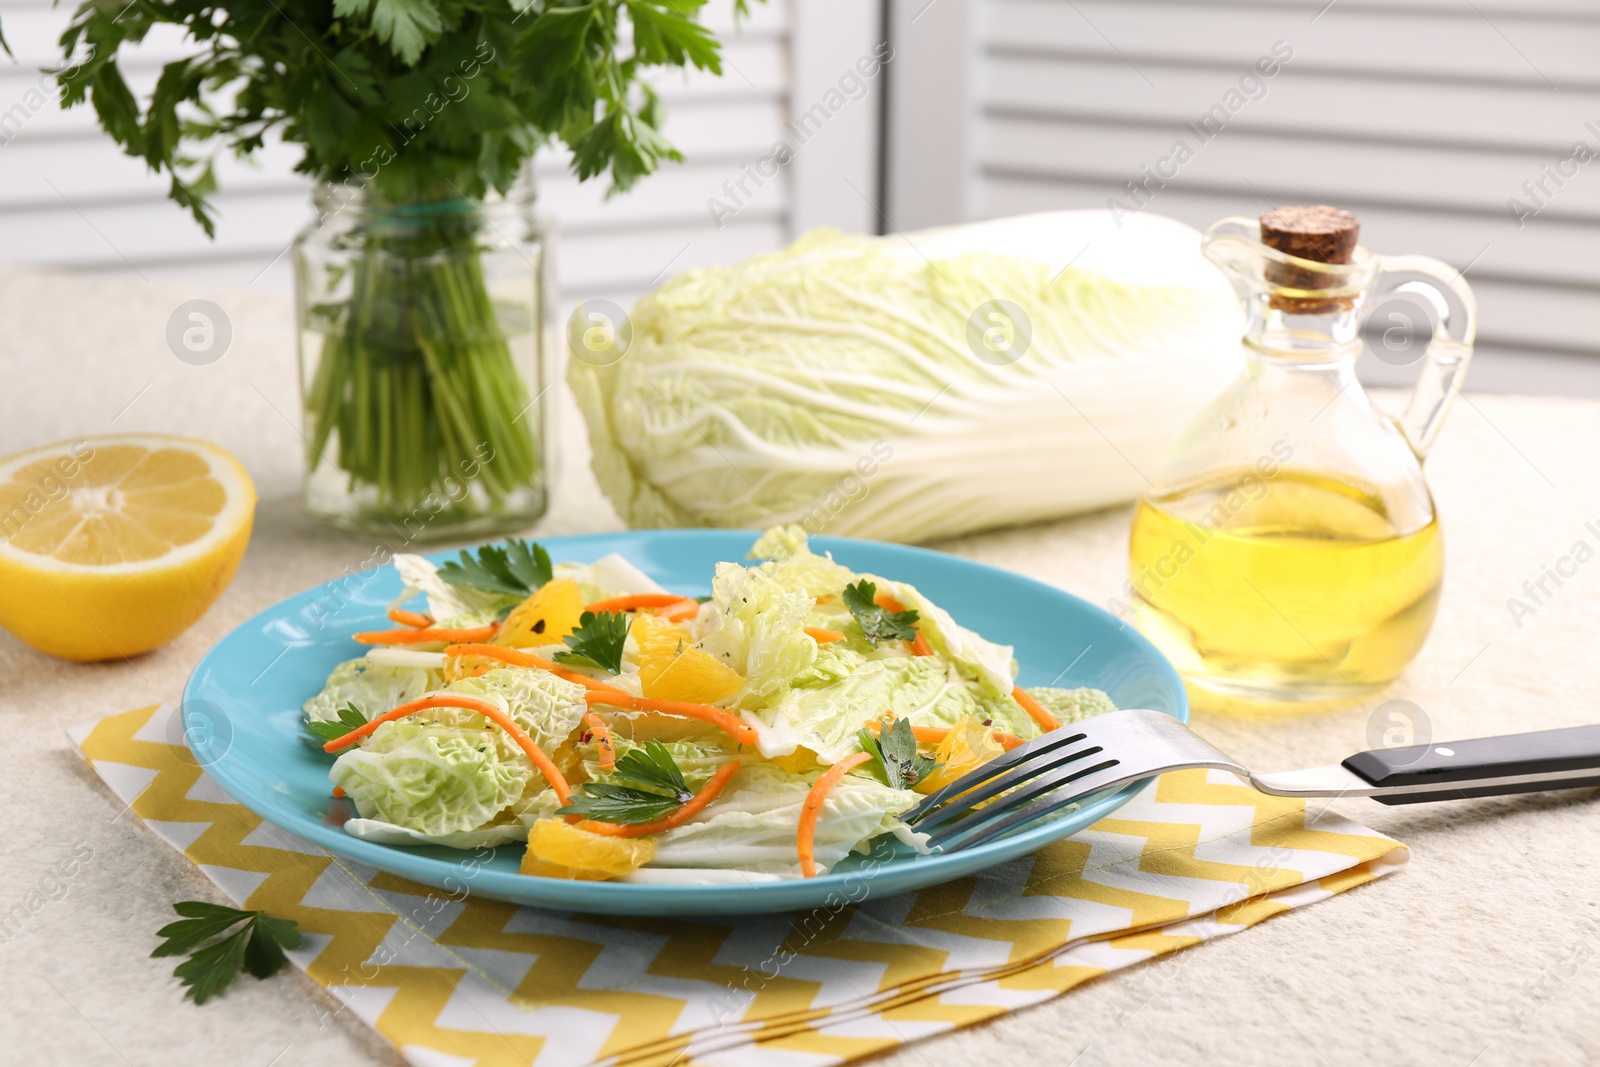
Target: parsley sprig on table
256 946
517 569
878 624
895 761
598 641
646 785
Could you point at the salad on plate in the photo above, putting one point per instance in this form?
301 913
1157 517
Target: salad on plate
625 731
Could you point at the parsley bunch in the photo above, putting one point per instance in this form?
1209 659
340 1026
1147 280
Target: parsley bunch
422 107
347 79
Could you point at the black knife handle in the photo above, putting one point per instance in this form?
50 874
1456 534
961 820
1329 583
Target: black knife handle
1544 759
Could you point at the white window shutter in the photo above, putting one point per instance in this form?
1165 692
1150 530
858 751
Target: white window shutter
70 199
1425 119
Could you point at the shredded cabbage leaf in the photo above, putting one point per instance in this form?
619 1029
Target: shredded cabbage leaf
431 778
609 576
993 665
387 833
1070 705
371 688
450 605
758 628
547 707
753 829
792 564
923 690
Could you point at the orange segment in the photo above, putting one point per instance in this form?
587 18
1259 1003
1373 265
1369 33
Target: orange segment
550 614
967 746
671 668
557 849
801 761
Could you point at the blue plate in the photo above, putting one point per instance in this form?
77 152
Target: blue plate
241 717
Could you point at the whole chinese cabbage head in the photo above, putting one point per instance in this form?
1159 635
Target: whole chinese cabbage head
913 388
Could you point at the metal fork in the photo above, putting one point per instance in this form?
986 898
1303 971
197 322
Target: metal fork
1037 779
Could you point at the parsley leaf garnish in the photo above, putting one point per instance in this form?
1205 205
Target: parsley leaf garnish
894 755
878 624
646 785
350 718
653 768
256 946
618 803
598 641
517 569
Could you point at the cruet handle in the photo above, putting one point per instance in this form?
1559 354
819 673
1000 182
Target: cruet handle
1455 327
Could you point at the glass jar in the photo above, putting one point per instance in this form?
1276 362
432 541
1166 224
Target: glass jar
423 364
1288 550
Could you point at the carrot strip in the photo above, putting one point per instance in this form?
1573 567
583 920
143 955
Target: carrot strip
805 840
692 807
518 658
634 602
603 741
338 791
686 608
414 636
1007 741
741 731
530 748
920 646
822 636
932 735
410 618
1035 710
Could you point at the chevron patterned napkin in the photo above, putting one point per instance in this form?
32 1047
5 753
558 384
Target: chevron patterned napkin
454 980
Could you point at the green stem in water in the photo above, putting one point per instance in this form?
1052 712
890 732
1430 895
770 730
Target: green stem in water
416 376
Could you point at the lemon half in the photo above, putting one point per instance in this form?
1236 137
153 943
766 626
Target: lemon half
112 546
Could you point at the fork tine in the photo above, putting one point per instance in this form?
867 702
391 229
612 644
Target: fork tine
1034 814
1039 746
1128 746
998 819
1028 770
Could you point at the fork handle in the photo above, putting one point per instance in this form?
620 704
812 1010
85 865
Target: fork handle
1483 766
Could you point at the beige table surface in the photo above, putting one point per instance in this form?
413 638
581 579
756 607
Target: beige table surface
1481 951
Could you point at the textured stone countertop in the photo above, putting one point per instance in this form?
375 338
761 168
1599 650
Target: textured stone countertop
1481 951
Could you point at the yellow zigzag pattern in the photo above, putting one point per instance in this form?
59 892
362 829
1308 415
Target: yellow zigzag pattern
851 983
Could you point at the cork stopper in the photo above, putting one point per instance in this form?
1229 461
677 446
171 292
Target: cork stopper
1319 232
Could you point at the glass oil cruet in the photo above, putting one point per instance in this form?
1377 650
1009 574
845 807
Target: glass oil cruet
1287 550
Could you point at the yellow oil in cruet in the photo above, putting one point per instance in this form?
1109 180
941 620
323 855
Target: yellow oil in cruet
1289 549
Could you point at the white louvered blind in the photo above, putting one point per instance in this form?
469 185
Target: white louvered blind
1423 116
68 198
